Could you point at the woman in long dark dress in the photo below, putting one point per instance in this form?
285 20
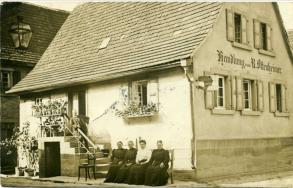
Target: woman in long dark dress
137 171
128 161
116 162
156 173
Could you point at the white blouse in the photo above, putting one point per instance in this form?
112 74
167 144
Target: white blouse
143 154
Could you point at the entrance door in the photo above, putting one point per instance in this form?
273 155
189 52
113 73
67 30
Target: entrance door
52 159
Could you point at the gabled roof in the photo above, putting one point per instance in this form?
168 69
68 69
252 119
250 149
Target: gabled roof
142 36
44 24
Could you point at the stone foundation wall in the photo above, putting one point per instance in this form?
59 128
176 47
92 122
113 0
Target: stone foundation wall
224 158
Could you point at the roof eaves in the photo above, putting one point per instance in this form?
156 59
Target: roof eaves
97 79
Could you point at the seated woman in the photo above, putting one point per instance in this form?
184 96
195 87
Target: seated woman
128 161
137 171
116 162
156 173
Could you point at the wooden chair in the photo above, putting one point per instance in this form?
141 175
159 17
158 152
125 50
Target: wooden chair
170 169
91 164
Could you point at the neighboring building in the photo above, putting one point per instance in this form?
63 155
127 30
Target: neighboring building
214 81
37 27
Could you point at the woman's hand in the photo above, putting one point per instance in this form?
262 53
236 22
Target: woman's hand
162 165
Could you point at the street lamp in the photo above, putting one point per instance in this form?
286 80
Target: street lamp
21 33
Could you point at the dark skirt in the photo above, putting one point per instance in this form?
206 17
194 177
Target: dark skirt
113 170
122 174
156 176
136 174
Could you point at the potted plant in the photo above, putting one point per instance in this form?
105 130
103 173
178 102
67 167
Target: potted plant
134 110
29 148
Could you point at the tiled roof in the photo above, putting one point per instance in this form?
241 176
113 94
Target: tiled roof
290 36
44 24
142 35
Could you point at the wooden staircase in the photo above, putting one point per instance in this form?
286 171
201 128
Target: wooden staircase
102 162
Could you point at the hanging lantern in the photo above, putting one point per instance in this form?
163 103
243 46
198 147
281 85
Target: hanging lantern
21 33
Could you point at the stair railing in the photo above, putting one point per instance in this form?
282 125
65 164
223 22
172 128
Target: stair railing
80 133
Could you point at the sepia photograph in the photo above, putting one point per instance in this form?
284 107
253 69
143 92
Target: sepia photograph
145 93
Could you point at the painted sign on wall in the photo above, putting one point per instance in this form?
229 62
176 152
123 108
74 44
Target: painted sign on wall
253 63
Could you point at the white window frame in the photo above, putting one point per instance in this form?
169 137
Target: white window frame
139 94
224 93
249 91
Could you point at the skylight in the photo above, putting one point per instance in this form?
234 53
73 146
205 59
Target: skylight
105 43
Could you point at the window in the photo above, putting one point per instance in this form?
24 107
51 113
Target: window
263 36
279 97
140 93
247 94
77 103
237 23
6 79
220 94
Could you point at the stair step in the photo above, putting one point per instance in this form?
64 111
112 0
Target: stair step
102 160
71 138
101 174
80 150
102 167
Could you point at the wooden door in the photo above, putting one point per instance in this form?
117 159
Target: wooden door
52 159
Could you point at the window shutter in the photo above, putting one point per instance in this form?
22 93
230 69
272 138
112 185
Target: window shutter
272 92
209 99
286 99
230 25
16 77
283 90
153 92
239 97
124 93
134 93
260 97
244 24
269 37
228 93
233 92
256 32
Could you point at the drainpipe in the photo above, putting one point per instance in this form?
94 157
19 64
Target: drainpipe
186 64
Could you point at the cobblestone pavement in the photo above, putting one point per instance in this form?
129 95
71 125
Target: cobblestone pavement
266 180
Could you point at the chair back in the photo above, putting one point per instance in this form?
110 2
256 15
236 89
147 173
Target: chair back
91 159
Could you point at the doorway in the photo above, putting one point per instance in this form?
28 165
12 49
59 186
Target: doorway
52 159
